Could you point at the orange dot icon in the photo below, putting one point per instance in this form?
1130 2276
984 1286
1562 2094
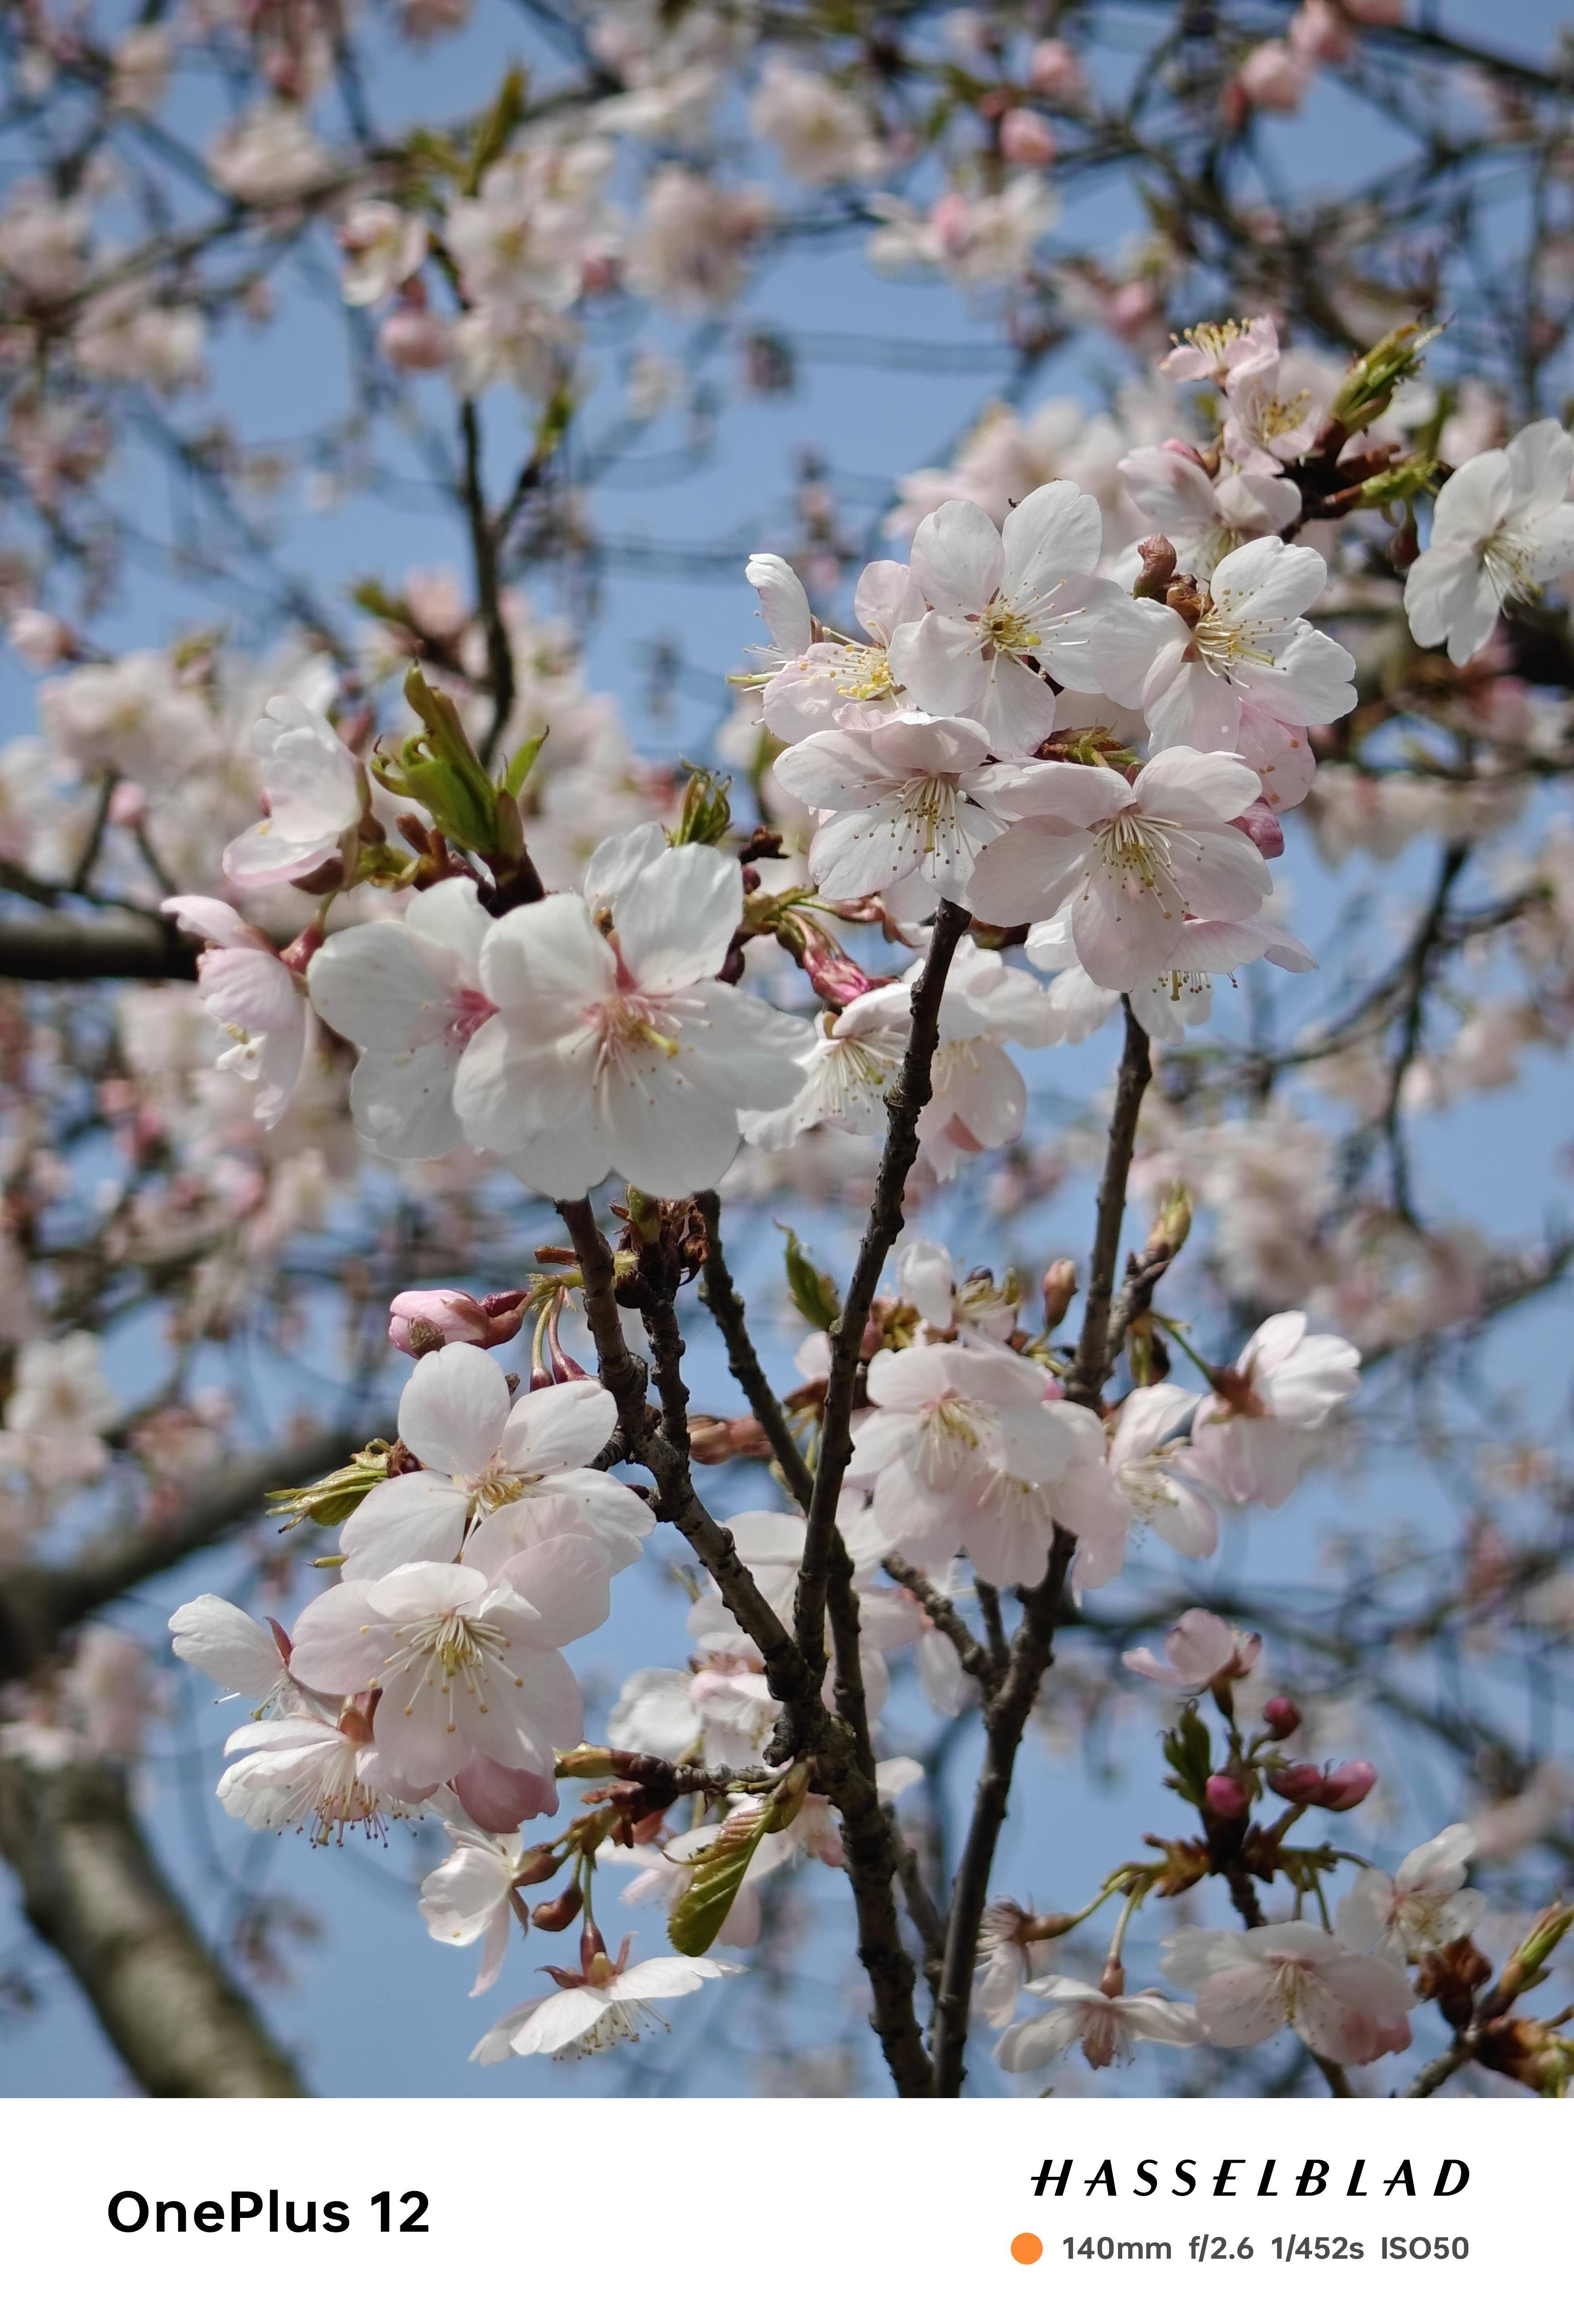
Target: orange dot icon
1025 2249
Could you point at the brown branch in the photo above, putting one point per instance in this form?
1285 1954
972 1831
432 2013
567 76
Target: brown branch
722 1296
93 1891
60 948
971 1652
845 1764
906 1103
1096 1358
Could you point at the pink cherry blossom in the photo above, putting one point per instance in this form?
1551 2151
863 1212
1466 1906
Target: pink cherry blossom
314 793
1106 2027
1201 1651
1133 859
1249 1441
1251 1982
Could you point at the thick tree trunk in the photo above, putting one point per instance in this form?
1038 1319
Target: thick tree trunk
91 1889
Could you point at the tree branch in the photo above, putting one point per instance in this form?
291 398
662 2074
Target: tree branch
91 1889
60 948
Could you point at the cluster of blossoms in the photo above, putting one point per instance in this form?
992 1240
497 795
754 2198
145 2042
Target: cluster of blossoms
430 969
1081 749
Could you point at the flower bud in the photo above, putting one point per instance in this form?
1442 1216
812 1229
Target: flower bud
1226 1798
560 1914
1263 828
1280 1717
423 1321
1026 139
1301 1784
1054 71
1158 555
1347 1785
40 638
1060 1289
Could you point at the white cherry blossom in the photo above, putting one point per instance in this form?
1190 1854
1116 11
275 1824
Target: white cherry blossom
1106 2027
1249 1441
1133 859
307 1773
1502 528
239 1653
1251 656
1202 1651
909 799
1205 517
466 1666
465 1900
1425 1906
493 1474
610 2004
314 793
408 993
1010 609
621 1050
850 1061
821 678
1251 1982
247 989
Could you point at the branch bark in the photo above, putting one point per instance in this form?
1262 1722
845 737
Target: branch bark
91 1889
60 948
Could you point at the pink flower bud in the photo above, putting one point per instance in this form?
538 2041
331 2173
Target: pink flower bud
423 1321
1226 1798
1319 34
1273 79
1280 1717
1347 1785
1301 1784
1263 828
414 339
1054 71
1026 139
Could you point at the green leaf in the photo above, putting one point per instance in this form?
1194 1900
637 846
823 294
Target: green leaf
439 768
812 1292
523 764
497 125
332 1499
699 1913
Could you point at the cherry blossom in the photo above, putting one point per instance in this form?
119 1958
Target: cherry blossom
384 245
1205 517
307 1773
821 678
610 2002
465 1665
821 135
314 793
1107 2026
967 1446
909 799
1424 1907
1201 1652
849 1063
1250 1982
493 1475
241 1654
1003 600
59 1404
621 1050
1149 1473
1133 859
1249 1438
1502 528
978 1311
408 993
247 989
466 1899
1250 656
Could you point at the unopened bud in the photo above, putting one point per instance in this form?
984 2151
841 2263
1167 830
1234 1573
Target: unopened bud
539 1864
1263 827
1540 1940
1301 1784
1226 1798
560 1914
1347 1785
1167 1235
591 1762
1280 1717
1060 1289
422 1322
